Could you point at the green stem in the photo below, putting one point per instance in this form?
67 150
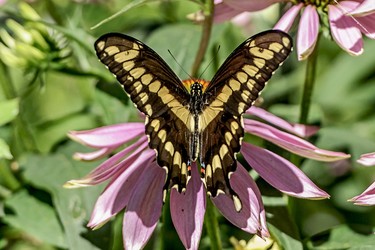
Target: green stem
308 86
7 178
6 82
6 175
294 206
206 33
212 226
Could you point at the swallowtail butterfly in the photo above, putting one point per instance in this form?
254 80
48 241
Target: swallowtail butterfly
195 120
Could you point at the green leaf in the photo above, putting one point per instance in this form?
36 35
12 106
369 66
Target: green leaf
35 218
73 206
4 150
49 135
284 239
181 40
9 110
63 95
343 237
127 7
282 227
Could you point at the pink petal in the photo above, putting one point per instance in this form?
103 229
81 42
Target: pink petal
91 156
280 173
223 12
367 159
365 8
111 166
118 192
286 21
144 208
307 32
367 198
108 136
344 30
250 5
251 218
188 209
367 25
291 142
298 129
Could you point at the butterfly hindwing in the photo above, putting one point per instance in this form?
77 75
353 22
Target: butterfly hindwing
158 93
232 91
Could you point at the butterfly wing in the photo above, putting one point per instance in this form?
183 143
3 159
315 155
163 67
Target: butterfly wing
232 91
159 94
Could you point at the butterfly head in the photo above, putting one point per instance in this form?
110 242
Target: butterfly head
194 85
196 89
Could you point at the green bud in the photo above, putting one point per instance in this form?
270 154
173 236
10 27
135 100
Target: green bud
19 31
39 40
11 59
29 52
28 12
7 39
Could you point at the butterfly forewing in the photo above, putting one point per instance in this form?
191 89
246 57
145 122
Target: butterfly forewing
232 91
159 94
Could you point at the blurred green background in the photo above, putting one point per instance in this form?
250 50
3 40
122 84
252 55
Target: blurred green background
51 83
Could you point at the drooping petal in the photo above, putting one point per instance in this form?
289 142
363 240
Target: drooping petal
280 173
118 192
144 208
307 32
224 12
298 129
344 30
250 5
94 155
365 8
367 159
188 209
286 21
108 136
367 198
367 25
111 166
249 218
291 142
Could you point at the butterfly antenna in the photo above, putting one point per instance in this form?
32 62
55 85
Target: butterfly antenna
209 64
190 77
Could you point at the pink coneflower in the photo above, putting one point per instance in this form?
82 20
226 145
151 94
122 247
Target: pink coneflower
136 181
347 20
367 198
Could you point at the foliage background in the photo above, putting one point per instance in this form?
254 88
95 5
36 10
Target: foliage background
68 89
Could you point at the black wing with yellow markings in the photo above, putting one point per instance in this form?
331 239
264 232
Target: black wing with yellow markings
180 123
232 91
159 94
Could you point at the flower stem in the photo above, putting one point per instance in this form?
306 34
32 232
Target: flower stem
308 86
206 33
212 226
6 83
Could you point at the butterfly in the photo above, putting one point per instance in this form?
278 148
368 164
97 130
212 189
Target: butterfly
195 120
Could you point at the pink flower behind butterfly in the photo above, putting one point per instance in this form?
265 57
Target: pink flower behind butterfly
347 20
136 181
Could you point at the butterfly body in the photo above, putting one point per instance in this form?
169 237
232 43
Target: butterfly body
195 120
